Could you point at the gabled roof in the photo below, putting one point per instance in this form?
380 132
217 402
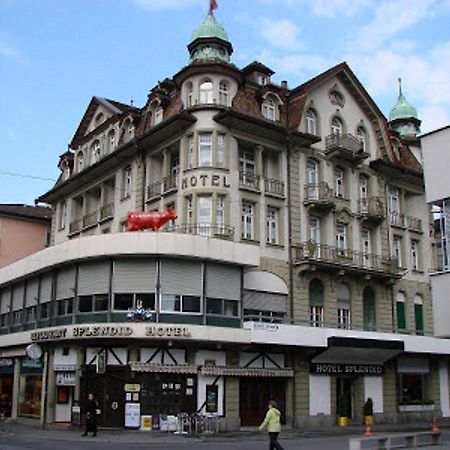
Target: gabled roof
116 108
256 66
41 213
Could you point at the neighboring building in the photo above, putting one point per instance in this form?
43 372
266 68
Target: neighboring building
24 230
297 268
436 161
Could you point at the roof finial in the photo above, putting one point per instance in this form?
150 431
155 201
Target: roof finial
212 6
399 86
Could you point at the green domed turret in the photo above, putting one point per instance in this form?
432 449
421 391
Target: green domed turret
210 28
210 42
403 116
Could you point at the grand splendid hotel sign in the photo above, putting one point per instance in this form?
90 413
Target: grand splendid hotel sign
110 331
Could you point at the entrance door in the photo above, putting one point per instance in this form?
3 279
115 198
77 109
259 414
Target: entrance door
108 390
254 395
344 392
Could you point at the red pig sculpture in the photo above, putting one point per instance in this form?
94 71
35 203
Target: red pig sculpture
141 220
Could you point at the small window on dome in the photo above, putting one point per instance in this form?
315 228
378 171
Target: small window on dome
189 95
206 92
223 93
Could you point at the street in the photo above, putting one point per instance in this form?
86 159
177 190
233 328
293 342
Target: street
23 438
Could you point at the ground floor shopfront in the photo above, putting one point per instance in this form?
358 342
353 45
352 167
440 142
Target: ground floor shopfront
139 378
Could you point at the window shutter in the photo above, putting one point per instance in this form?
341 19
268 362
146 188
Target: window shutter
5 300
46 288
265 301
32 292
65 283
134 276
181 277
223 281
93 278
17 303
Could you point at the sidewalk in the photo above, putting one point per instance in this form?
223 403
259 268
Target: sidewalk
31 428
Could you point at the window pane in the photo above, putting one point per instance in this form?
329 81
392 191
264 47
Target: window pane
148 300
101 302
123 302
170 302
214 306
418 313
191 303
231 308
85 303
401 321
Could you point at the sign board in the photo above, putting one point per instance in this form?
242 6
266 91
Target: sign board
64 367
346 369
6 362
65 379
132 415
132 388
31 364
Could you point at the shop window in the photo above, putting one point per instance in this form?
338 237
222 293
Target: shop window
413 388
316 303
369 309
222 307
180 303
30 395
400 307
85 303
62 395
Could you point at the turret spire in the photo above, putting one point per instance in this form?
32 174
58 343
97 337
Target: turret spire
399 86
212 6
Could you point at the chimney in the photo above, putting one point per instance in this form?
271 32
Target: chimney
284 84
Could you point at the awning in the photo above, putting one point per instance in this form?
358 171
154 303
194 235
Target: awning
246 371
343 350
163 368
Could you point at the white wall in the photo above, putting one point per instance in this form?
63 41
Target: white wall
440 287
443 388
319 395
373 388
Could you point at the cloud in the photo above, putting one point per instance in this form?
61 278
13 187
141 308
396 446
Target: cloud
390 18
281 33
9 52
159 5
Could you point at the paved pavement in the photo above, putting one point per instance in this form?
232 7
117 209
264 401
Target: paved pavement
30 437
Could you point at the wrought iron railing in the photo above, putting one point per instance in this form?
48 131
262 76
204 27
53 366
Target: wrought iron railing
343 141
396 219
203 229
318 192
90 219
414 223
249 180
372 206
273 186
170 183
344 257
154 190
107 211
75 226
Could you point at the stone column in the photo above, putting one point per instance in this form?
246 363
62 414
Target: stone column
51 389
232 418
15 392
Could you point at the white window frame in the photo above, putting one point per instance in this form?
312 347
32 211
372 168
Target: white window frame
191 152
204 221
316 316
247 221
339 182
127 181
415 255
272 225
336 126
397 249
363 187
62 215
269 108
247 163
220 160
223 93
205 149
158 115
96 151
344 318
341 238
394 200
361 134
366 245
220 213
206 95
311 122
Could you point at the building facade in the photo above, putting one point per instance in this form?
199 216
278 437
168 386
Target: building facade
299 257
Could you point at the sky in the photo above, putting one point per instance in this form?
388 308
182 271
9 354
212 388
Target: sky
56 54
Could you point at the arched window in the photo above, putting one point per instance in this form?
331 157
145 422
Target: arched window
343 304
223 93
336 126
400 307
269 108
206 92
418 314
311 122
98 119
128 130
312 171
369 314
339 182
189 95
111 140
158 115
362 137
80 161
316 303
95 151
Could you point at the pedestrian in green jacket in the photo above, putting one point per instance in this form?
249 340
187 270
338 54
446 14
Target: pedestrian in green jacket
272 423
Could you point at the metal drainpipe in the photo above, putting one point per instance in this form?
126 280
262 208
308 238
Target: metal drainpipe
291 267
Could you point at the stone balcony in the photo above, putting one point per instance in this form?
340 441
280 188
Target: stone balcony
345 146
371 209
319 196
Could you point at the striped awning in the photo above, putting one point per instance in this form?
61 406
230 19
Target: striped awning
246 371
163 368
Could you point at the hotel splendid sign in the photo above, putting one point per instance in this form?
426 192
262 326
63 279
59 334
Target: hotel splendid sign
110 331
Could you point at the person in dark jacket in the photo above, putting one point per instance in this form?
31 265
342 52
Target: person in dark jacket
91 415
273 426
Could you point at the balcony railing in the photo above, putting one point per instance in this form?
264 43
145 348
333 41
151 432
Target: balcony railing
345 146
337 257
170 183
166 185
154 190
273 187
248 180
76 226
90 220
414 223
318 194
396 219
371 208
203 229
107 211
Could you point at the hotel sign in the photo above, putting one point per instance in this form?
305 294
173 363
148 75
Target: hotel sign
110 331
346 369
205 180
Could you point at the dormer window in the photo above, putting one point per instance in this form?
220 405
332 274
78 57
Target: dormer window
262 80
223 93
95 151
111 140
158 115
206 92
80 161
128 130
311 122
270 107
98 119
